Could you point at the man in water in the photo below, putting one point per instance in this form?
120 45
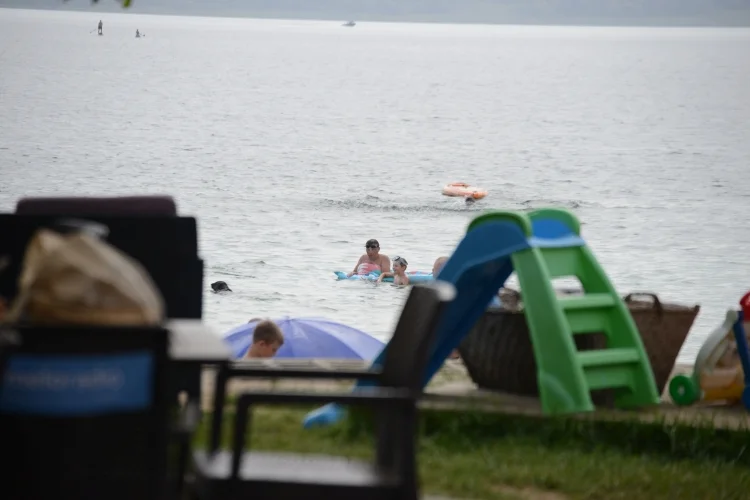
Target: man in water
137 34
372 260
100 27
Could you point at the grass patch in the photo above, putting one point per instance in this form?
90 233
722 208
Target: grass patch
496 456
700 440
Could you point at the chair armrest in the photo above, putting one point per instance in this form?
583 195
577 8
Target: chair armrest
370 396
301 373
234 370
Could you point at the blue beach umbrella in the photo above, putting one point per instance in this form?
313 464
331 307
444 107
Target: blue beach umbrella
310 338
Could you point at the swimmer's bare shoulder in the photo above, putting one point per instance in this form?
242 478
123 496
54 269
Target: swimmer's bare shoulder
385 262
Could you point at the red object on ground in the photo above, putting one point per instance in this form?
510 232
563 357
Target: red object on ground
745 305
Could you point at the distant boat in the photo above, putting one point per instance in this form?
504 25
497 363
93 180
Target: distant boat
349 24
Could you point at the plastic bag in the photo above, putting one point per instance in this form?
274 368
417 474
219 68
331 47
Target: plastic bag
79 279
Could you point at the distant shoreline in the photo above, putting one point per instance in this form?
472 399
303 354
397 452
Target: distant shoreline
742 21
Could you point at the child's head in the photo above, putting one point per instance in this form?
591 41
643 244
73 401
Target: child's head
438 265
399 265
267 338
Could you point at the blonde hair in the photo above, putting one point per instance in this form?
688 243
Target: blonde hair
269 332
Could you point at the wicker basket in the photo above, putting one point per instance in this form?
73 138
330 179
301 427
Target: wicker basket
498 354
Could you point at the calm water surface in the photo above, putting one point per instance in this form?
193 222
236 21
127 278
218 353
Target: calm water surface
296 141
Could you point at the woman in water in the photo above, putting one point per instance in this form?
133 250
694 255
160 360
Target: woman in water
371 261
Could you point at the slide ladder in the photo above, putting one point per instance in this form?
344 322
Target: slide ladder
540 246
567 376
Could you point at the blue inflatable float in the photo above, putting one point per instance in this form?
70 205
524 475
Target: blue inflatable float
414 276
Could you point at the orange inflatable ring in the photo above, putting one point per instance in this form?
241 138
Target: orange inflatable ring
464 190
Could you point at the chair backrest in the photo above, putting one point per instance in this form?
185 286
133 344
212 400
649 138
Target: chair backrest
8 345
166 246
407 353
88 206
83 413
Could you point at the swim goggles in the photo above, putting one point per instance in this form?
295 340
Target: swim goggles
400 260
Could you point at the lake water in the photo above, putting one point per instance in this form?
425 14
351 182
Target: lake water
294 142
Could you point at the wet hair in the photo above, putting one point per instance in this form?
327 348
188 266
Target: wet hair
372 243
470 200
220 286
269 332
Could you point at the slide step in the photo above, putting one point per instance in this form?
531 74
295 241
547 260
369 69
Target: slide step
590 301
608 357
609 377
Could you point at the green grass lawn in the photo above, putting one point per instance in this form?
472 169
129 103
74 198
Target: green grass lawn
501 457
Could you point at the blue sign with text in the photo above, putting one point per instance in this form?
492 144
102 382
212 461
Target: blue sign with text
78 385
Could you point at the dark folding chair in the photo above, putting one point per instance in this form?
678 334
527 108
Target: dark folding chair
8 345
148 229
99 209
145 227
166 246
84 414
249 474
